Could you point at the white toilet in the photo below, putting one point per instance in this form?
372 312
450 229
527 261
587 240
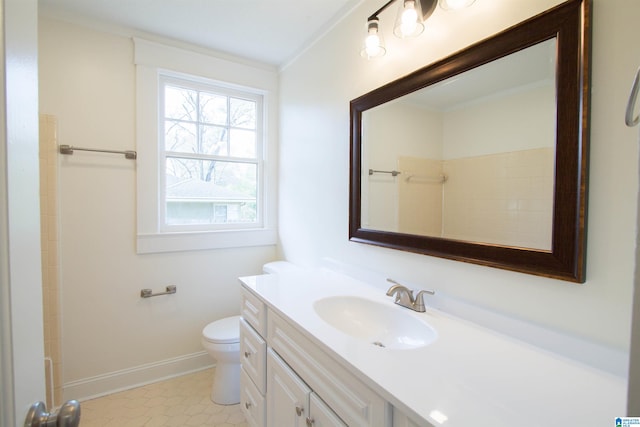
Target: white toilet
221 339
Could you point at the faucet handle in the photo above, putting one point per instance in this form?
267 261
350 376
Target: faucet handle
390 280
418 302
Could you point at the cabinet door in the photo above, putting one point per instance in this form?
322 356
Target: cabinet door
321 414
402 420
287 396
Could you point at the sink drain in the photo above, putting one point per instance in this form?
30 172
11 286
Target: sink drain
379 344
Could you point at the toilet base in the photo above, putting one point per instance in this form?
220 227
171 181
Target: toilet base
226 384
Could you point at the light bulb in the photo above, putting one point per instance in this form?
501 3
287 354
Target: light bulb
409 19
372 45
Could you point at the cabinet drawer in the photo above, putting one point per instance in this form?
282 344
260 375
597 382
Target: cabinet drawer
253 351
254 312
354 402
251 402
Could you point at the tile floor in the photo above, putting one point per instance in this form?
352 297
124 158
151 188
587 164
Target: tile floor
181 401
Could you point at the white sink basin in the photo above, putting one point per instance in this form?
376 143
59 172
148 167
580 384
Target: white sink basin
379 324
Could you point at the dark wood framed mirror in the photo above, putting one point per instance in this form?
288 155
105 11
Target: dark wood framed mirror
528 128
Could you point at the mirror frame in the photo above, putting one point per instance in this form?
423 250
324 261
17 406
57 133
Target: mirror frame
570 23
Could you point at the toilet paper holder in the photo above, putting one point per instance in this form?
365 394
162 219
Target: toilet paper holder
148 293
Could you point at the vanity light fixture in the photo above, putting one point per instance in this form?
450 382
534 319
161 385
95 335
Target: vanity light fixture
409 22
455 4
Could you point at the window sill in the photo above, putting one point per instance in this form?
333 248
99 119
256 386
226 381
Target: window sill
195 241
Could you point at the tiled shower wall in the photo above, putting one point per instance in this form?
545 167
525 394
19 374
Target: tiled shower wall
50 263
504 198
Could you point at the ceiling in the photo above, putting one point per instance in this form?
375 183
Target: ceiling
534 66
268 31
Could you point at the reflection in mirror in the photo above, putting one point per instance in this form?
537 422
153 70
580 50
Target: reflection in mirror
482 156
474 153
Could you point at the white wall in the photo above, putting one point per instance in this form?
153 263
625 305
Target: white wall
315 92
500 127
110 336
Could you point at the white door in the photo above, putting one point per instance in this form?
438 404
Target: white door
633 398
287 396
21 335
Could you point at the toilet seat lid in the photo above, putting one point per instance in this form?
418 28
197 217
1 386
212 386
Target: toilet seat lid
223 331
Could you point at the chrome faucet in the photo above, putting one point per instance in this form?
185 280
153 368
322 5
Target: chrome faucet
405 298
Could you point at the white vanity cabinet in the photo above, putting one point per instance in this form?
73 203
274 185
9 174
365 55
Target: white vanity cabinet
289 381
346 380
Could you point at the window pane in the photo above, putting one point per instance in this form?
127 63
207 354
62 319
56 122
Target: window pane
210 192
243 143
180 136
180 103
213 108
243 113
214 140
186 212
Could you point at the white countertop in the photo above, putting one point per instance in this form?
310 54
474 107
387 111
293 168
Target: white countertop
472 375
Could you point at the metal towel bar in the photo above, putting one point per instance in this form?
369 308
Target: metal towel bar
68 149
392 173
633 97
148 293
439 179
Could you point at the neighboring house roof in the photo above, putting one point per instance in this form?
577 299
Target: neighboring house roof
197 190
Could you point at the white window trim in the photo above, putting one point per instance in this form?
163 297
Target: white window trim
153 58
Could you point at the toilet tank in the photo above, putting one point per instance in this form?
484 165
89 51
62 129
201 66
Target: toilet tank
276 267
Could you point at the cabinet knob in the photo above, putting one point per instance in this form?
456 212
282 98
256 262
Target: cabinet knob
247 405
247 354
310 422
299 410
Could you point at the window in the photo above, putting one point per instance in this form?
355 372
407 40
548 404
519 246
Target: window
205 137
211 144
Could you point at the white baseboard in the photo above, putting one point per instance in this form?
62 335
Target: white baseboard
101 385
